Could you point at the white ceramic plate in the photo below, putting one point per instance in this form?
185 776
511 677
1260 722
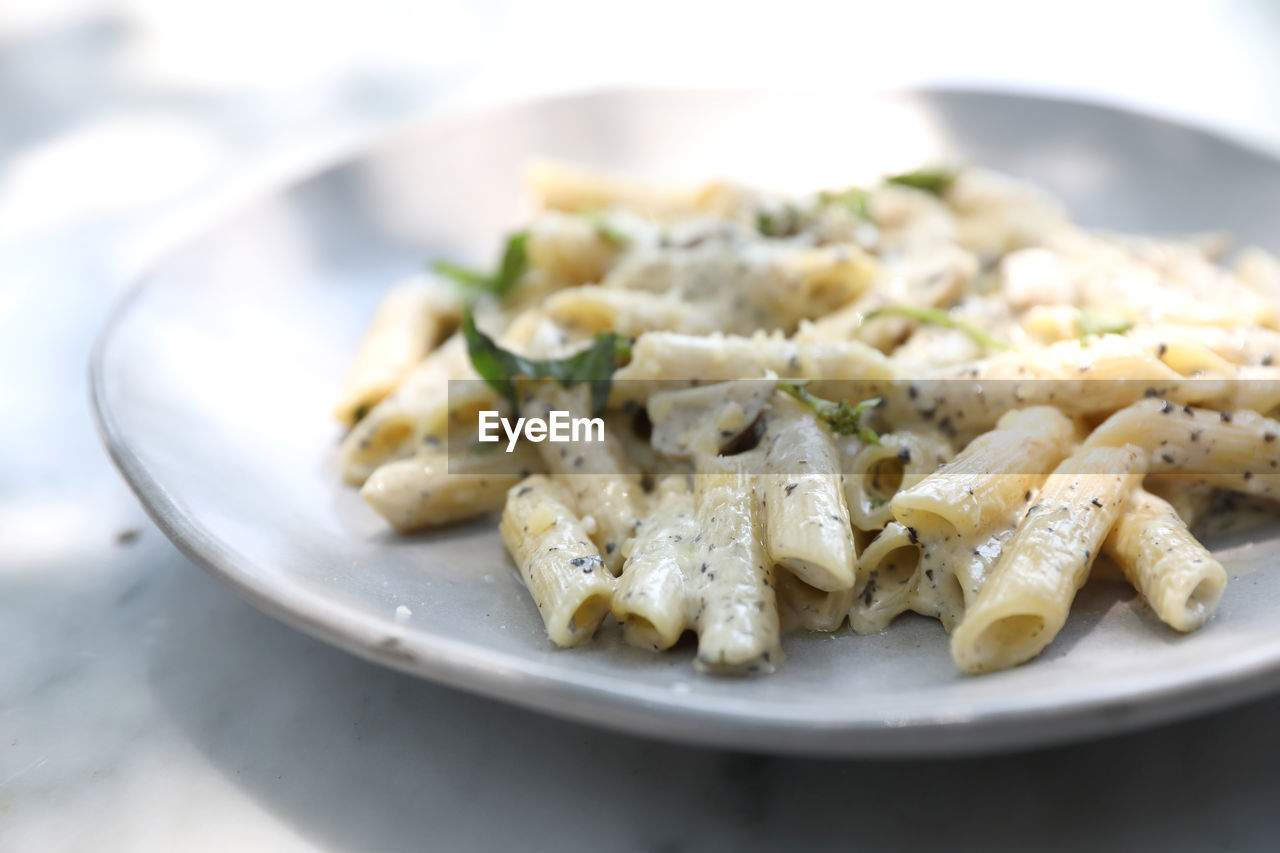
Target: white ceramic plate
214 382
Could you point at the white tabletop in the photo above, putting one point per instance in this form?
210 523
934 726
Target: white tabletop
145 707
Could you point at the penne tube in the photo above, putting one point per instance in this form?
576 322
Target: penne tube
874 473
415 415
1176 575
737 612
605 487
588 310
807 527
665 360
888 569
990 478
437 487
409 323
652 598
1024 603
961 514
563 571
803 606
568 250
1239 345
1237 450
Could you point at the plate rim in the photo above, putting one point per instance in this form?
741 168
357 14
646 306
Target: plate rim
544 687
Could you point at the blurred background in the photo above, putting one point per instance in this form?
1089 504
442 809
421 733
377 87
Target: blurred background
143 706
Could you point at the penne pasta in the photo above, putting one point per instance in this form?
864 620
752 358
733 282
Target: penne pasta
807 529
653 596
436 487
1023 604
737 613
563 571
931 394
1176 575
411 320
606 490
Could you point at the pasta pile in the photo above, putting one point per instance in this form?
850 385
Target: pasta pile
935 395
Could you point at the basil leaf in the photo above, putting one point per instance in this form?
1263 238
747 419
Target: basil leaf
938 317
499 367
515 260
840 418
936 181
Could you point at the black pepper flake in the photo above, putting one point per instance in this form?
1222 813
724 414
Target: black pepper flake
1186 410
1167 457
791 488
1096 503
1032 508
1150 392
946 427
526 490
609 547
904 455
1027 495
1248 475
588 563
1161 350
703 569
911 534
928 573
913 392
1266 360
1166 407
1195 434
1225 416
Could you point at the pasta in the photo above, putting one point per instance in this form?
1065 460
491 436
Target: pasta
725 412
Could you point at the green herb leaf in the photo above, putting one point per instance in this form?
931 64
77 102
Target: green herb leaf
1091 323
840 417
782 222
499 368
515 260
876 503
855 199
936 181
604 230
938 317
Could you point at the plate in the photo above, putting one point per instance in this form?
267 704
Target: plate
214 381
